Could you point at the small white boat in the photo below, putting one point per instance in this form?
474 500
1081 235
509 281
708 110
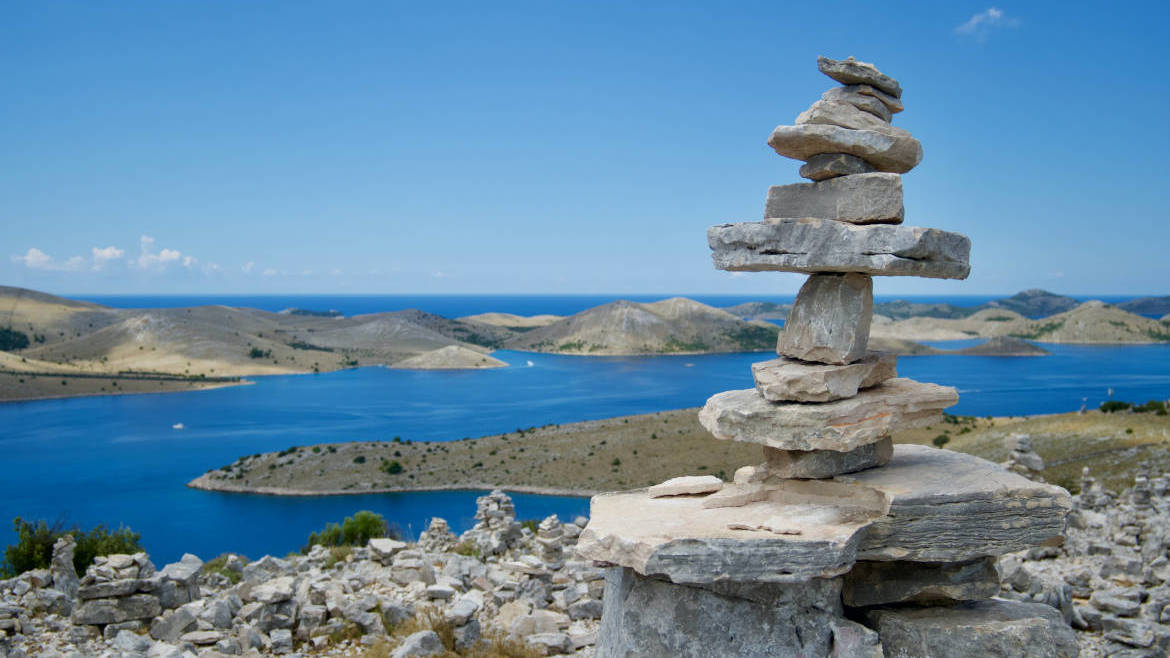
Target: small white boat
530 364
178 426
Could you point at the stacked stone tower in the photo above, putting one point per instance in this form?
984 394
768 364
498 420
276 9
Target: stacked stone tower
838 543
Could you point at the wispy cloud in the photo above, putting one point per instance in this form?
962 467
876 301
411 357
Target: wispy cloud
106 255
35 259
150 259
248 267
980 26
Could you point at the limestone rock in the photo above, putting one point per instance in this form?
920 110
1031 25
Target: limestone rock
417 645
874 198
650 618
784 379
892 150
817 464
64 576
948 506
829 322
881 583
867 98
1007 629
842 425
831 165
819 245
112 611
849 71
687 484
846 115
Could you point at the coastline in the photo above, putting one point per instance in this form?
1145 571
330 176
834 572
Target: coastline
203 484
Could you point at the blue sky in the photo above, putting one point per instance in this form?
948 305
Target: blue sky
555 147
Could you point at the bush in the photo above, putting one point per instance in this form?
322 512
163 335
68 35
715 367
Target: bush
10 339
391 467
356 530
1111 406
941 440
360 459
34 546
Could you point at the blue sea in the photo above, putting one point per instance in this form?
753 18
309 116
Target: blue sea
117 460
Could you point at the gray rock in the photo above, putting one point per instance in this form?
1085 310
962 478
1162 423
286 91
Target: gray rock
282 641
867 98
852 640
111 588
172 625
841 425
110 631
850 71
792 380
874 198
652 618
202 638
818 464
131 641
64 576
275 590
1007 629
845 115
585 609
893 150
821 245
881 583
384 548
1117 605
462 611
422 643
829 322
467 636
110 611
831 165
162 650
550 643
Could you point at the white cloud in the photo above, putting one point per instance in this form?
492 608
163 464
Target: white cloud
149 259
188 261
980 25
248 267
35 259
105 256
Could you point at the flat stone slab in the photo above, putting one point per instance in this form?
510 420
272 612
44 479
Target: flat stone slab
850 71
1005 629
883 583
842 425
863 97
892 150
874 198
956 506
832 165
793 380
813 245
686 485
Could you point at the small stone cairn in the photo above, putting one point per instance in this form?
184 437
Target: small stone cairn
839 543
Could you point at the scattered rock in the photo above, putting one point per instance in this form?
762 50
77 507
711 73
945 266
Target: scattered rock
686 485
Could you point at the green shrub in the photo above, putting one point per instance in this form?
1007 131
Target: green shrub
391 467
356 530
10 339
34 546
257 353
360 459
941 440
1111 406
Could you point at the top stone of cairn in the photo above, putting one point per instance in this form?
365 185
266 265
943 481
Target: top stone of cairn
852 72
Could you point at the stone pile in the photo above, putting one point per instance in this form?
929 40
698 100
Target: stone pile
1023 458
327 603
837 525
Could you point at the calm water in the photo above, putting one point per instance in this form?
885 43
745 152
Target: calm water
116 459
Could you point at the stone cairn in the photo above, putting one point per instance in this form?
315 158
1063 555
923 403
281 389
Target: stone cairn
839 543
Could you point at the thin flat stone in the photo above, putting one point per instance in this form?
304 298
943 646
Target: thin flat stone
842 425
865 102
829 322
896 152
792 380
1005 629
687 485
831 165
882 583
817 464
822 245
850 71
846 115
947 506
873 198
964 506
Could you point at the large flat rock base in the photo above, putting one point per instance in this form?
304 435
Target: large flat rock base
926 505
650 618
1005 629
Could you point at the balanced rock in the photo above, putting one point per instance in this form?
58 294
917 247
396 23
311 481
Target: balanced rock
816 464
892 150
842 425
846 115
687 484
651 618
831 165
785 379
926 505
881 583
829 322
867 98
874 198
822 245
849 71
1006 629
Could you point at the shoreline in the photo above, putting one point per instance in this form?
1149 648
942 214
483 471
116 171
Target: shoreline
201 484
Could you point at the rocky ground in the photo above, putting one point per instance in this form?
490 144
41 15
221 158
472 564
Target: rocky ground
504 590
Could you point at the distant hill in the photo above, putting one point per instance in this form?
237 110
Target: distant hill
452 357
1004 346
1148 306
677 325
760 310
900 309
1035 303
510 321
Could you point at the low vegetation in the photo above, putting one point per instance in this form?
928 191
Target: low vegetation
356 530
11 340
34 545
